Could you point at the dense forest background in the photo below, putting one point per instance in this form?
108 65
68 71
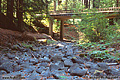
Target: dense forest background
26 15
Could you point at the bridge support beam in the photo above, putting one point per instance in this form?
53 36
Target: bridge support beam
62 30
51 27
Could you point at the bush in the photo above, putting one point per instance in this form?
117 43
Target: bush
96 27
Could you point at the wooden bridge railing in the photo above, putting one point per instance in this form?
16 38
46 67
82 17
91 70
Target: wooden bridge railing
110 9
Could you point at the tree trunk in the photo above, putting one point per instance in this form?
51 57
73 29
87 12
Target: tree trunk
117 3
93 3
10 4
20 13
86 3
46 5
54 5
0 12
0 6
89 4
66 4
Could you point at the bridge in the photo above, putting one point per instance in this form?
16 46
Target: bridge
67 14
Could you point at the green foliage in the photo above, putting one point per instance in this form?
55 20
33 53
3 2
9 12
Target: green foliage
26 45
100 54
100 50
96 27
56 26
50 41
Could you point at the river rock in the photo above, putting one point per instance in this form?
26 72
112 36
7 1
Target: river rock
34 61
102 65
40 69
10 56
54 67
78 60
78 72
2 72
89 64
45 59
45 64
34 76
46 73
8 67
68 63
56 58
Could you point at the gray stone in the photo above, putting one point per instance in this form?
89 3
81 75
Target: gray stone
56 58
68 63
17 67
112 72
82 65
3 61
34 76
79 79
26 64
19 61
29 69
40 69
2 72
78 60
8 67
99 74
10 56
57 74
46 73
89 64
78 72
14 74
45 64
69 52
102 65
45 59
34 61
54 67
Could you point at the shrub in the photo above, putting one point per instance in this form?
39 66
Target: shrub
96 27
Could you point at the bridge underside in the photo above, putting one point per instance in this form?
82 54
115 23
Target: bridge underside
63 17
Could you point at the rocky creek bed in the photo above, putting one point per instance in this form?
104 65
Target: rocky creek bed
59 60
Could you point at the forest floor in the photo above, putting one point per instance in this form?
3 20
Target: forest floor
22 57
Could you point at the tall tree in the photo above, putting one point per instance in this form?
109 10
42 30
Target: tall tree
20 13
10 4
89 4
46 6
0 6
54 5
86 3
0 12
117 3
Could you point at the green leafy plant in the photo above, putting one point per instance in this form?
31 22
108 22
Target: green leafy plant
50 41
26 45
100 54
